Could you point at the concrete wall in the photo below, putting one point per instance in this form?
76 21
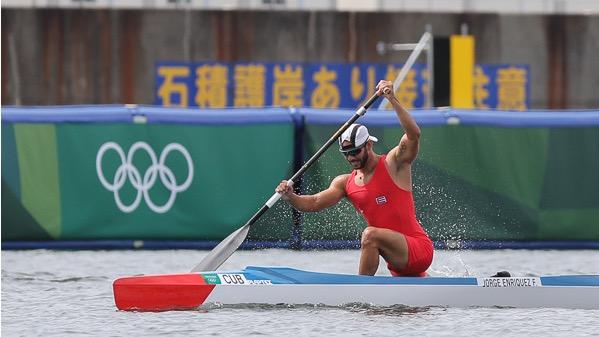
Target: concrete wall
107 56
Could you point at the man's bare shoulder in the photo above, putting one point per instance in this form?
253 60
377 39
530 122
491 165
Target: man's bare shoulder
340 181
403 154
392 159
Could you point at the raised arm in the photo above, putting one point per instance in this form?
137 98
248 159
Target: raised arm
407 149
316 202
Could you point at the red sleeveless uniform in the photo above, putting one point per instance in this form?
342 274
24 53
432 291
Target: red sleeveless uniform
385 205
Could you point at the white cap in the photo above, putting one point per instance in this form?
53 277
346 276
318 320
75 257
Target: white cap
357 135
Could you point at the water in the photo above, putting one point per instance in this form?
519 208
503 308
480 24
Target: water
69 293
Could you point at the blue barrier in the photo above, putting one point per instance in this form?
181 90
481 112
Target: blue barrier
67 114
425 117
213 116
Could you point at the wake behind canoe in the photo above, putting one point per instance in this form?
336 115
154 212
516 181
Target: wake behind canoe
275 285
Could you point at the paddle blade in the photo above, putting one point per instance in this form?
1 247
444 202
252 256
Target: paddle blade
223 251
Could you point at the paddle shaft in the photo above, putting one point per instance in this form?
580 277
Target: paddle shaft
227 247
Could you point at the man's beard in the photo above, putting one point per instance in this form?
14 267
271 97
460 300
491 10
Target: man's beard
362 162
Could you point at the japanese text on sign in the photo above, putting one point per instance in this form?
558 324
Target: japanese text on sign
322 85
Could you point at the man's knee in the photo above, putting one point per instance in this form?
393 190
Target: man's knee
370 237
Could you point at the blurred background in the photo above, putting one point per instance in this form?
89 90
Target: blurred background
167 123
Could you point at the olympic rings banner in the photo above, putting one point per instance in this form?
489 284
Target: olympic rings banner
141 181
92 173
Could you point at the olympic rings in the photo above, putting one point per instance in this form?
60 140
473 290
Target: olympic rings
128 172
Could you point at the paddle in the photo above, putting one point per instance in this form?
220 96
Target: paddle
229 245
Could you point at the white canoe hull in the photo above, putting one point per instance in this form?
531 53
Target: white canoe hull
409 295
280 285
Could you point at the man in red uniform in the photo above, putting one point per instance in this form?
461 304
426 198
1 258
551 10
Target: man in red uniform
380 188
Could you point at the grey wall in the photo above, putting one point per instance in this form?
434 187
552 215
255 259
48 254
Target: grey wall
108 56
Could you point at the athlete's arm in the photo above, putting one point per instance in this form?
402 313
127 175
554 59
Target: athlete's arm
406 151
318 201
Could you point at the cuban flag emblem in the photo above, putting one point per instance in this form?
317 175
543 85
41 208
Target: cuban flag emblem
380 200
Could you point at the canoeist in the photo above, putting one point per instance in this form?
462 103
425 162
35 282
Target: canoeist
380 188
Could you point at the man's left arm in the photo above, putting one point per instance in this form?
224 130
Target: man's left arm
406 151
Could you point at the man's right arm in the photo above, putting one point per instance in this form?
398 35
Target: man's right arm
318 201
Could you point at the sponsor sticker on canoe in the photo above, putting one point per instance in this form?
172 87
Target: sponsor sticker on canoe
211 278
508 282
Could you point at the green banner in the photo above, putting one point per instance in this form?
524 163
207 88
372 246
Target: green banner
91 181
139 181
479 183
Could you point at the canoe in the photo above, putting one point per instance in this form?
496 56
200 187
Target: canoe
278 285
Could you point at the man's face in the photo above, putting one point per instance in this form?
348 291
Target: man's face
357 158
